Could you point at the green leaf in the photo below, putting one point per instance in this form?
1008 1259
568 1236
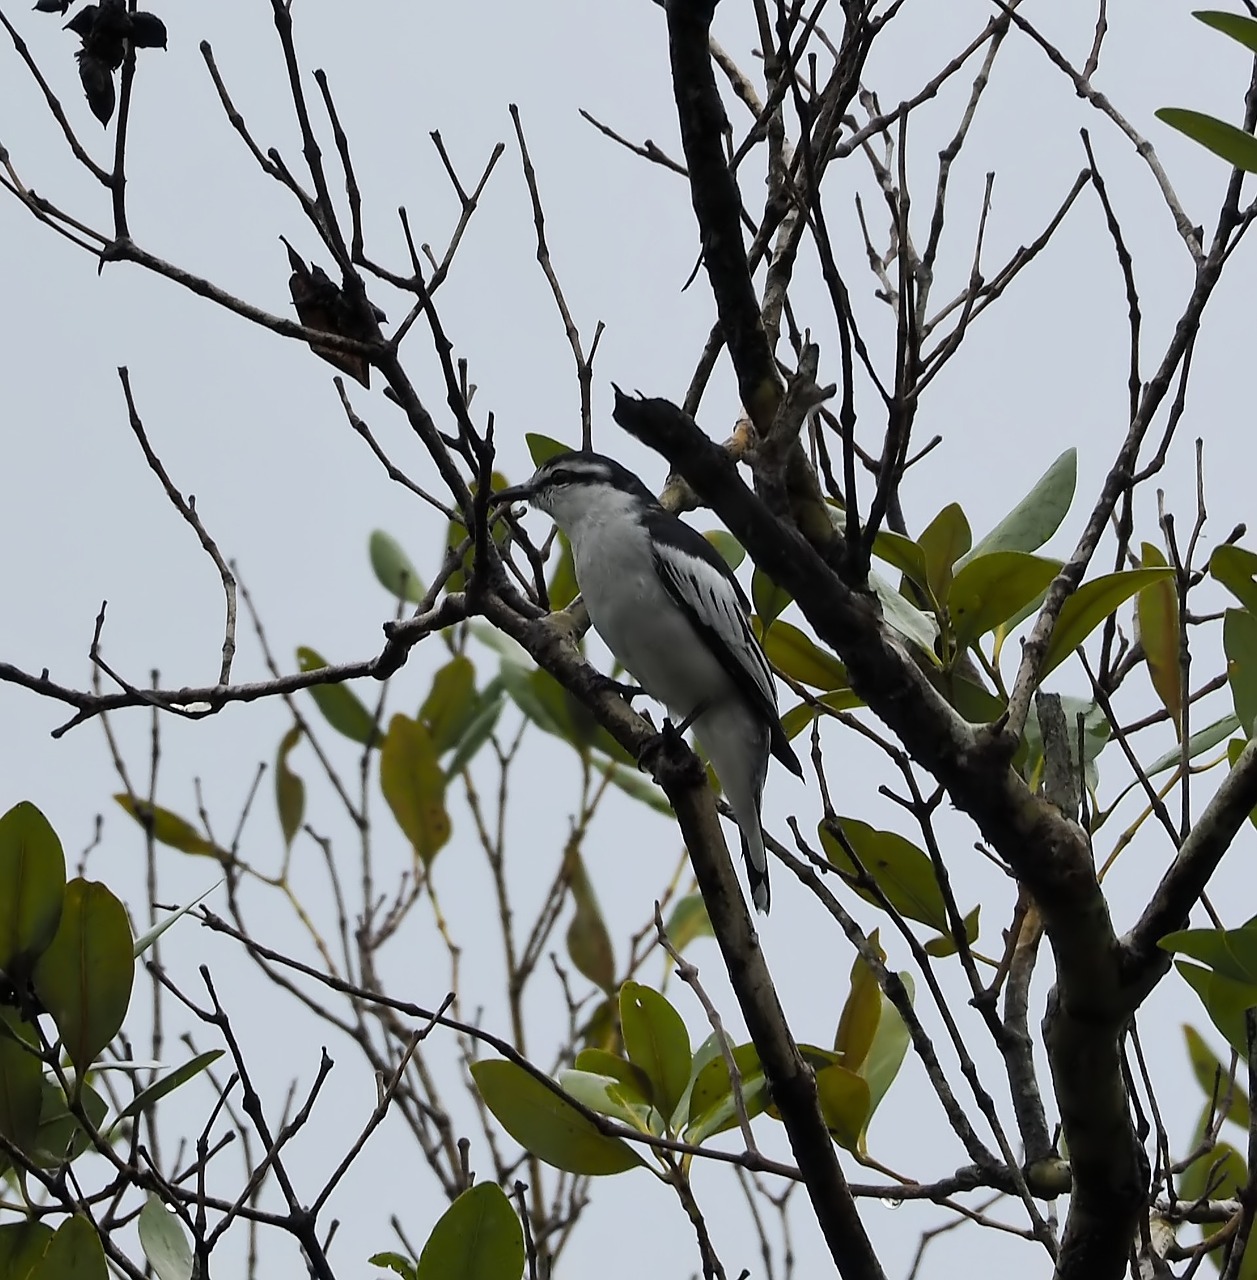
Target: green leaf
21 1084
1157 610
338 703
689 920
994 587
1232 144
798 718
888 1050
290 790
479 729
32 882
1239 640
540 697
393 569
395 1263
1225 1001
1038 515
634 784
861 1012
1232 952
903 872
22 1245
169 828
1214 1078
84 977
632 1080
146 940
731 550
163 1241
588 942
413 783
73 1253
61 1137
477 1238
768 598
563 587
711 1108
547 1126
906 556
1235 567
1203 740
543 448
451 703
608 1097
1090 605
167 1084
844 1099
1231 24
656 1040
797 656
944 540
945 943
906 618
1096 731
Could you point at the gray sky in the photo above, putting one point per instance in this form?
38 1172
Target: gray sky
251 424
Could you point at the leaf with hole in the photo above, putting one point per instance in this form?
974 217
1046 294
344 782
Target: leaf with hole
656 1040
164 1243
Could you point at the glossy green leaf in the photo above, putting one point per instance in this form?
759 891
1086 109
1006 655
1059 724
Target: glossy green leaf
479 729
61 1137
904 554
588 942
844 1099
477 1238
32 882
993 588
1203 740
547 1126
168 1084
656 1040
1239 640
903 872
1235 568
563 587
1232 952
1230 143
73 1253
888 1050
413 783
634 783
974 703
451 704
1234 25
84 977
793 653
943 541
22 1245
861 1012
543 448
395 1263
712 1109
290 790
799 718
146 940
1038 515
688 920
1235 749
393 569
169 828
1088 607
608 1097
768 598
163 1240
1225 1001
1157 610
21 1083
633 1082
732 552
338 703
1215 1080
945 943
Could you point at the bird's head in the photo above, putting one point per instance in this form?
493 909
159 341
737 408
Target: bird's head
577 486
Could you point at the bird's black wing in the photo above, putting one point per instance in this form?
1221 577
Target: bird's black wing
697 578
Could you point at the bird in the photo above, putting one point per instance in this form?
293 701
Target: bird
671 611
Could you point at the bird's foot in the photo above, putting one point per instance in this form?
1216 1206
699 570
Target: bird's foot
626 691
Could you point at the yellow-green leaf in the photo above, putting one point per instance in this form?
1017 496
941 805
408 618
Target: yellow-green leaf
477 1238
732 552
656 1040
1238 27
1235 568
797 656
1157 609
563 587
547 1126
798 718
61 1137
169 828
861 1012
632 1080
1214 1080
993 588
943 541
688 920
712 1109
164 1243
887 1052
32 882
73 1253
906 556
1090 605
290 790
768 598
844 1099
1239 641
588 942
393 569
451 703
543 448
22 1245
21 1084
413 783
340 706
84 977
1234 145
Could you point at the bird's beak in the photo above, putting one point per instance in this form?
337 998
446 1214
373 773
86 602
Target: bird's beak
516 493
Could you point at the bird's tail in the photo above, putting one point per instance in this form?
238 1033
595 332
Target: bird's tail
756 859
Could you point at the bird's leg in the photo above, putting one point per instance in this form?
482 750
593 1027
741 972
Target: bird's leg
683 728
670 735
626 691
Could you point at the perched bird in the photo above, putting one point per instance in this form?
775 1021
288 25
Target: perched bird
670 609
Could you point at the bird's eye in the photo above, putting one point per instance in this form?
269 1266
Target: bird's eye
560 476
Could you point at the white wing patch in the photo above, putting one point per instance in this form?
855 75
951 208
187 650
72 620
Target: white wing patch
712 604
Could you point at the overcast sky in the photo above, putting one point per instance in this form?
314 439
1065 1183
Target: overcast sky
250 423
